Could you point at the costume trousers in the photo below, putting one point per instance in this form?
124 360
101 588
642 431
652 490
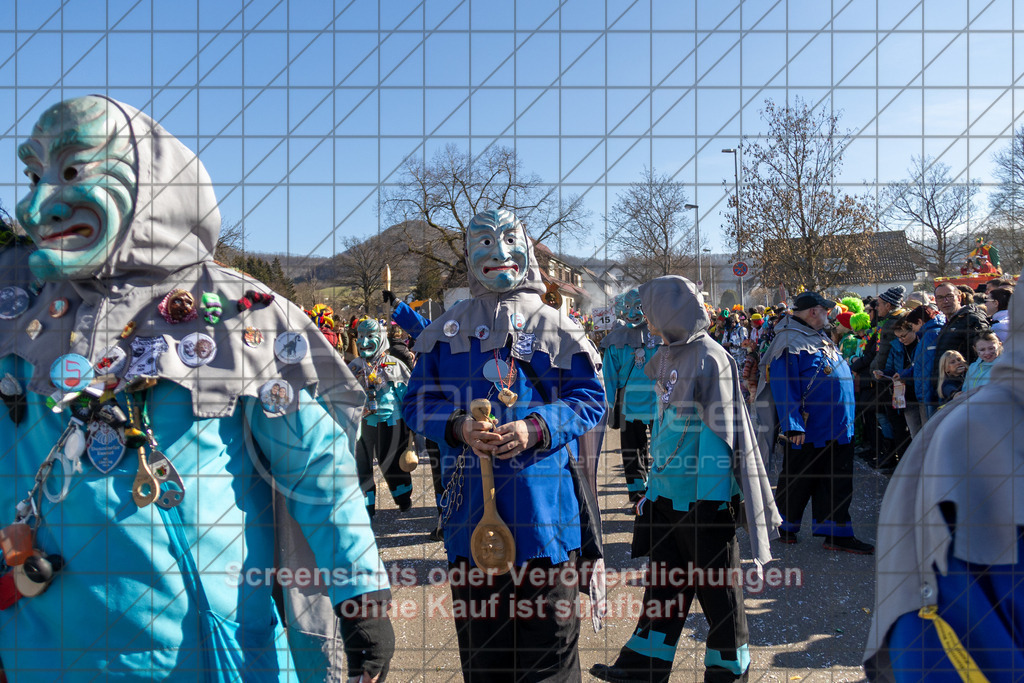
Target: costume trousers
385 443
525 631
635 456
693 553
822 474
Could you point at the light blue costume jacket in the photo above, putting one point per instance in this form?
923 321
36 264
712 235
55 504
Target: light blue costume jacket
978 374
534 490
690 462
120 609
619 369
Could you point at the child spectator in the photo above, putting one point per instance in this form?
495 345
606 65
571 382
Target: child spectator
988 348
952 368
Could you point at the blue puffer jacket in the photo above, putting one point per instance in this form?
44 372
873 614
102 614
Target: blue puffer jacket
924 361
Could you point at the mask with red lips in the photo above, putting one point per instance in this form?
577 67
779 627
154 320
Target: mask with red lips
81 164
497 251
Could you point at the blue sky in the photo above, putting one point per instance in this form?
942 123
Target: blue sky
303 109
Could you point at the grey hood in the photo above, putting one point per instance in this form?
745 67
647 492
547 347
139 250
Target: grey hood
554 333
984 483
707 380
169 245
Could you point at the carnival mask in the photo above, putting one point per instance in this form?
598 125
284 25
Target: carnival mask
497 249
630 310
368 337
83 169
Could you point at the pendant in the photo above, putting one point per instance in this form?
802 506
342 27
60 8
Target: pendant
165 473
827 370
105 446
508 397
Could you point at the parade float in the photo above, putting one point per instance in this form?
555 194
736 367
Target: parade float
981 265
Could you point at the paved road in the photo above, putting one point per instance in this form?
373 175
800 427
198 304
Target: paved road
811 630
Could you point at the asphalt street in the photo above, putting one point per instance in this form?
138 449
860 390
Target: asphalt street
809 624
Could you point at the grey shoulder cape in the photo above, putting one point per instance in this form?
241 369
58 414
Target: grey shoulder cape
633 337
969 454
519 314
707 379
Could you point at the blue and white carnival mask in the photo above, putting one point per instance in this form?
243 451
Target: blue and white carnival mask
629 309
497 250
369 335
82 166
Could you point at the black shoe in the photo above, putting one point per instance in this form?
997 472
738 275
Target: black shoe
787 536
614 674
436 535
848 544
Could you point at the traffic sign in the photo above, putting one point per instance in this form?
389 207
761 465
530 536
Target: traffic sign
739 269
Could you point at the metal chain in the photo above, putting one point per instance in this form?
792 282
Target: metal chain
448 504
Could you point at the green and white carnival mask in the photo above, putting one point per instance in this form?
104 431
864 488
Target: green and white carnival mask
497 250
629 308
369 335
82 164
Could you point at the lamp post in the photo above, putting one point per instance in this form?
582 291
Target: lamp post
696 222
711 275
739 225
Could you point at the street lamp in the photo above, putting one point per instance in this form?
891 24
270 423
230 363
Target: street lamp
696 222
739 225
711 275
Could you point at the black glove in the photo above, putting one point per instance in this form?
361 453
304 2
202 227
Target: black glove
368 635
389 297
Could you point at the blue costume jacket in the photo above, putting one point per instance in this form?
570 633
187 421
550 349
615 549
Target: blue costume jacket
408 319
534 491
821 386
924 361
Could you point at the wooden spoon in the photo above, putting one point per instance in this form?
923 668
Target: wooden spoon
492 545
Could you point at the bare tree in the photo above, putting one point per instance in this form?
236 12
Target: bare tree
801 229
361 266
1007 204
435 201
653 232
934 210
230 242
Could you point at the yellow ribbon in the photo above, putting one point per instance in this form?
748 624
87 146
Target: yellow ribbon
960 658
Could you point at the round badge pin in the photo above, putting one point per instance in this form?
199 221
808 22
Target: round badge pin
496 370
482 332
518 320
197 349
112 361
13 302
290 347
673 376
71 372
451 328
276 395
58 307
252 337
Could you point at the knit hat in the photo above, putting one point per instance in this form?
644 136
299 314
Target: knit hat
893 295
844 320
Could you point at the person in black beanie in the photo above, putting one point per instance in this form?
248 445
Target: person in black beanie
887 308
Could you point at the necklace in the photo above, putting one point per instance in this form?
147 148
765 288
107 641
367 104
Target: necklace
506 395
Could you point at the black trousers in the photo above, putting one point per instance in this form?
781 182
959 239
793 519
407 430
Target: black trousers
700 546
526 632
385 443
822 475
635 456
